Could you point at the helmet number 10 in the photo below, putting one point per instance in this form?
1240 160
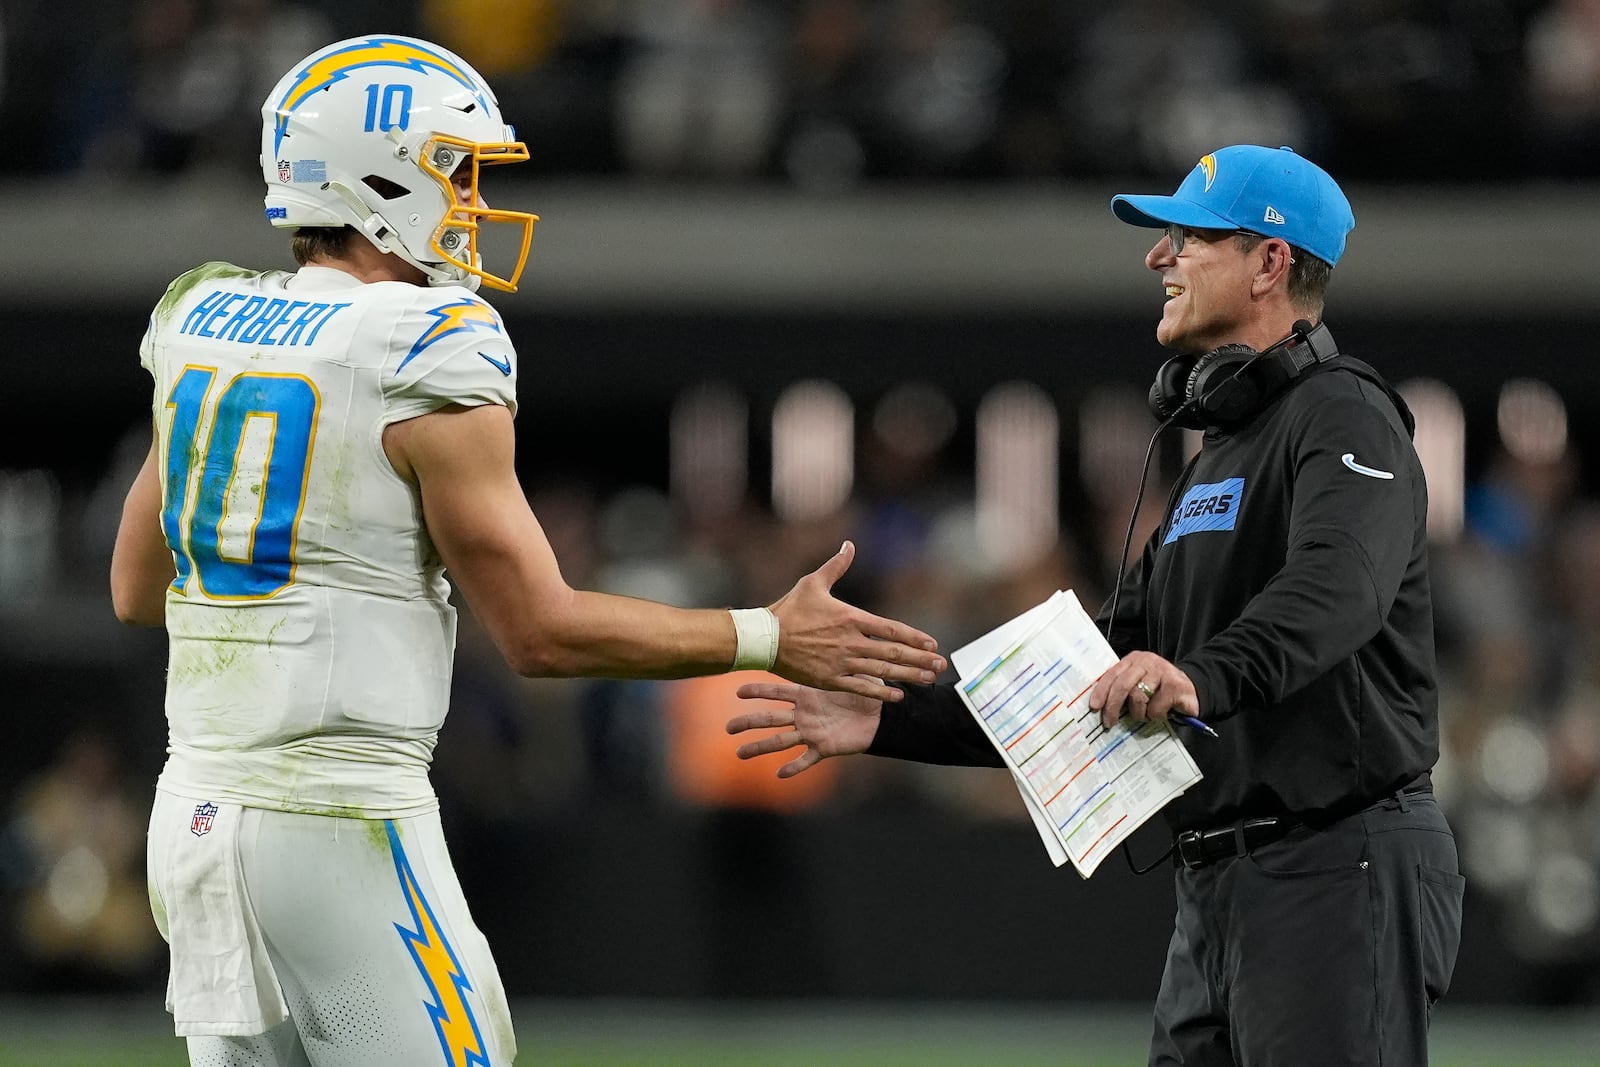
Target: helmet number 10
388 106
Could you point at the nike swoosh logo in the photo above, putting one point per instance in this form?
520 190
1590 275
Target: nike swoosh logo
504 365
1349 459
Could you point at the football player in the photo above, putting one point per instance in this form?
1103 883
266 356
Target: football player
328 444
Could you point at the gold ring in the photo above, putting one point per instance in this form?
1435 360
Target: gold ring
1145 689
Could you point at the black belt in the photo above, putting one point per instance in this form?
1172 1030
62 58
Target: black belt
1201 848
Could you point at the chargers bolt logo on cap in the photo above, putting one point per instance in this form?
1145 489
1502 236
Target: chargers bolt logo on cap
1268 191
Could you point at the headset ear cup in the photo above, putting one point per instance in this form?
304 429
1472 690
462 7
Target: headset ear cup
1167 391
1223 398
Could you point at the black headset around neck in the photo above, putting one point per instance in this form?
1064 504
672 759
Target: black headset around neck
1226 386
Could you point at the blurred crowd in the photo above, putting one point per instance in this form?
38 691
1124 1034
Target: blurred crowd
1517 583
826 93
822 94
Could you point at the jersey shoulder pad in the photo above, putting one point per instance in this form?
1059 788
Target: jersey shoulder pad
180 288
448 346
189 280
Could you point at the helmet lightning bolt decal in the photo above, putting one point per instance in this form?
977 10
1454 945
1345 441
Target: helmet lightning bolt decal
372 52
453 1020
453 318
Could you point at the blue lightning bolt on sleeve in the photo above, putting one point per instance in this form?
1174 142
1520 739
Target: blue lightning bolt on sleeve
449 347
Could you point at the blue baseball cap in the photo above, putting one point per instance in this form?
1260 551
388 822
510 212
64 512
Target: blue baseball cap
1269 191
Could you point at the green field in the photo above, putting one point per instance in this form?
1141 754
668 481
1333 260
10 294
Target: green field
670 1034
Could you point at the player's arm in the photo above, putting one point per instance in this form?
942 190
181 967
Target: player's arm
461 458
141 563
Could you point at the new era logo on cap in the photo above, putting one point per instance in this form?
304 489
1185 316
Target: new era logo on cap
1270 191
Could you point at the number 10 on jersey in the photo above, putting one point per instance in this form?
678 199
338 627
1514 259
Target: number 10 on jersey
232 506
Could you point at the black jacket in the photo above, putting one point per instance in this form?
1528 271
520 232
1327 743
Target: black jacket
1290 582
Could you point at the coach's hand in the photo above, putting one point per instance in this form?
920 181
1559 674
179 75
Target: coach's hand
828 644
1143 686
827 724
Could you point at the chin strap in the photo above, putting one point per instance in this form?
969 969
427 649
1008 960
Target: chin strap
374 225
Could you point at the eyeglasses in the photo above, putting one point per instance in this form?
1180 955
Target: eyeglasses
1178 236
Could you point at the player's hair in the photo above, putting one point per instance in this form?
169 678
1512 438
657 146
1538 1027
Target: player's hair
311 243
1308 275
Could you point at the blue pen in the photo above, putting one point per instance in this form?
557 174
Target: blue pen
1190 720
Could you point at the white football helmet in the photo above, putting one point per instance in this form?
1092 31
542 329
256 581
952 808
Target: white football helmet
369 132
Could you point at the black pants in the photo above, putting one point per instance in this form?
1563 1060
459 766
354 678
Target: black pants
1325 948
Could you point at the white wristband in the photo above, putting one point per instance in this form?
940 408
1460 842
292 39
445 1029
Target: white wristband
757 629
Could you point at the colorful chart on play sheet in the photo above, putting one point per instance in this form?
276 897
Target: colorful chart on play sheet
1087 788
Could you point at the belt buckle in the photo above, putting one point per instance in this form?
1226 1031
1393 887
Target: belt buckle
1190 851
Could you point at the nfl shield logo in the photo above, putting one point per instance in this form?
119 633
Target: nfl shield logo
200 825
283 170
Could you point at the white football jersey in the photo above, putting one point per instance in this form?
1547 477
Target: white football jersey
311 635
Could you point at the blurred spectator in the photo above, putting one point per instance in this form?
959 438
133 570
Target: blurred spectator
1034 136
77 841
699 770
1493 601
503 39
626 748
351 18
476 769
831 84
1563 59
699 94
1573 578
265 38
60 64
941 100
1159 82
751 876
903 483
554 65
1397 86
829 95
519 751
831 92
30 512
196 78
1530 829
1519 639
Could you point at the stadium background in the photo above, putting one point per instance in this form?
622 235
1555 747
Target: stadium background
810 270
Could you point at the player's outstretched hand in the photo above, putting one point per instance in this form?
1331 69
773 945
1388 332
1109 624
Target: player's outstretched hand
828 644
827 724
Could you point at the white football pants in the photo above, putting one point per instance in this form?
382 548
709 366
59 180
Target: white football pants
364 930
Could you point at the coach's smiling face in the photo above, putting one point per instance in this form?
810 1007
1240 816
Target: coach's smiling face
1209 287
